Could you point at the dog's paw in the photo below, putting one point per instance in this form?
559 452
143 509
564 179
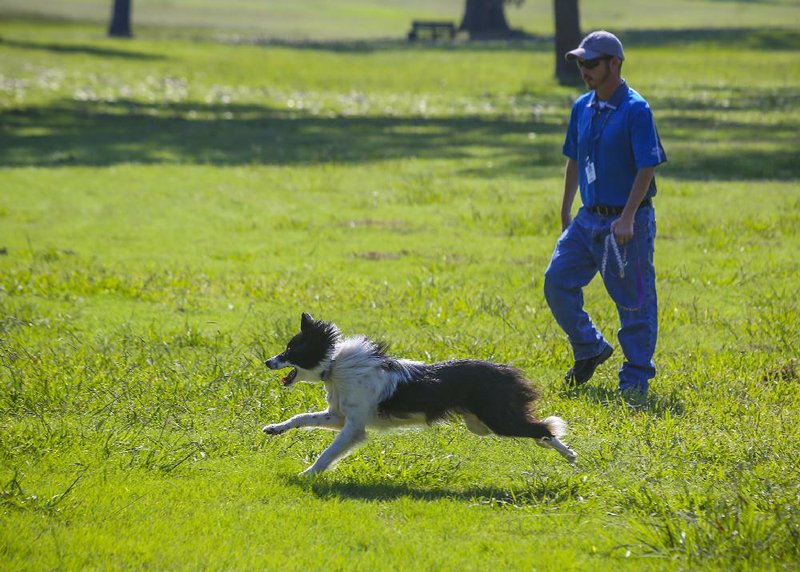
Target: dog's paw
273 429
552 443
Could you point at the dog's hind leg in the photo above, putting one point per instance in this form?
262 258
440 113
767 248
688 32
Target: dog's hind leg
557 428
351 434
554 443
515 424
520 424
475 425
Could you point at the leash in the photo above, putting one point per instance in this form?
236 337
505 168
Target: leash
611 244
611 240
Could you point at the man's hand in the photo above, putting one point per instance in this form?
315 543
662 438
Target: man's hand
623 226
622 229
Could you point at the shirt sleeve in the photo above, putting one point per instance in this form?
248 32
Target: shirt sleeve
571 142
647 148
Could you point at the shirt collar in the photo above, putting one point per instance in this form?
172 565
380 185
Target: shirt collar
614 102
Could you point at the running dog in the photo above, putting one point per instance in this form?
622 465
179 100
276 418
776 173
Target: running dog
366 387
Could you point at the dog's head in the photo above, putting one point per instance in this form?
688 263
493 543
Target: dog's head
307 352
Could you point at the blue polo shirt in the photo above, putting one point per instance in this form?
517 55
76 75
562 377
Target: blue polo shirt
616 138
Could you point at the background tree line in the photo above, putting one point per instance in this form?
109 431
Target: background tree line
482 19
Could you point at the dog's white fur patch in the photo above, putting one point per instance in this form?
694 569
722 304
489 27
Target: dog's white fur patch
357 379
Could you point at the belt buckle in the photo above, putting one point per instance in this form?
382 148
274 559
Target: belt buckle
603 210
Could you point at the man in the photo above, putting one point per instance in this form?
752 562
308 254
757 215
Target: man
612 149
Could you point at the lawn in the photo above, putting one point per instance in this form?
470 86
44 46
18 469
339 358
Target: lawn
169 206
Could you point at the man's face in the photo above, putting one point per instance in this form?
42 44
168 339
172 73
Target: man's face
595 72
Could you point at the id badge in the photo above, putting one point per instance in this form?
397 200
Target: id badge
591 176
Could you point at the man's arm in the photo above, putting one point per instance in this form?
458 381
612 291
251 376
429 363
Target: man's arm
570 189
623 226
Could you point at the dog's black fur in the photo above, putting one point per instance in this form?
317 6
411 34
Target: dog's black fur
366 386
440 389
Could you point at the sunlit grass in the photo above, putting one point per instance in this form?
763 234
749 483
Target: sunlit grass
168 208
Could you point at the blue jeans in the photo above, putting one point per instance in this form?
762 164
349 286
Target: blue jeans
578 256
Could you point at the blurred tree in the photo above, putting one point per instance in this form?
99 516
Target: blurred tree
568 36
486 18
120 26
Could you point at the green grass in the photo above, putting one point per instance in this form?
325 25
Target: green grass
315 20
170 206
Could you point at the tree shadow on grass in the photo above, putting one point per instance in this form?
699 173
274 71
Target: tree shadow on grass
745 38
733 164
81 50
103 134
528 43
96 133
705 137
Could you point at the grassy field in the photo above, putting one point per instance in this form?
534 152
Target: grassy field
170 205
316 20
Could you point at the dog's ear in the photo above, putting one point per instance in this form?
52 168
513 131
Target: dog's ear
306 322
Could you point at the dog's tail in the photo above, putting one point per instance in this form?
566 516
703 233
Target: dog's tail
556 426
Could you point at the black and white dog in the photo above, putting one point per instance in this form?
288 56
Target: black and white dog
366 387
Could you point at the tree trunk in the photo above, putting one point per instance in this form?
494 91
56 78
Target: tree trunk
120 26
485 19
568 37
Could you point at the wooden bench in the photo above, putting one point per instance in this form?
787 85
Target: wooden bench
431 30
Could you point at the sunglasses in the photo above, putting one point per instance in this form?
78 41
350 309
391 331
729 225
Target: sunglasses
591 64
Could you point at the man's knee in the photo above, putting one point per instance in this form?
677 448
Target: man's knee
553 284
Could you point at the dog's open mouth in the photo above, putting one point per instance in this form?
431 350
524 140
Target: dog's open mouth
289 377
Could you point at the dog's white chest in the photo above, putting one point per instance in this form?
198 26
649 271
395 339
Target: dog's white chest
357 398
332 396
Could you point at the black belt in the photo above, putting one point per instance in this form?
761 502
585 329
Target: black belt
604 210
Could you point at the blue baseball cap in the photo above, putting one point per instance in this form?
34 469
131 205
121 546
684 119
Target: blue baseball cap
596 45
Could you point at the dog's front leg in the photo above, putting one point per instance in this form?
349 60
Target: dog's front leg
322 419
352 433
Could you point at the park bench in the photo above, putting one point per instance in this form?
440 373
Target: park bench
431 30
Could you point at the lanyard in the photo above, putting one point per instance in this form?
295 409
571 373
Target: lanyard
593 139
